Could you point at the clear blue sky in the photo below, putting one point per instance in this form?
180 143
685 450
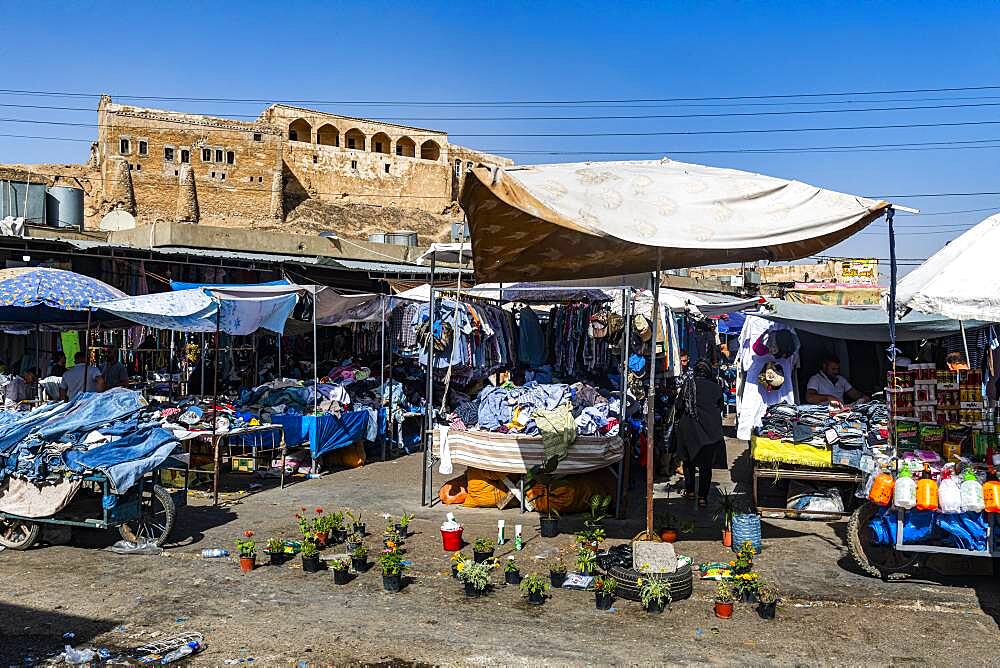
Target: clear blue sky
442 52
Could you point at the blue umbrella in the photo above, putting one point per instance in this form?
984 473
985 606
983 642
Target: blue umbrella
39 295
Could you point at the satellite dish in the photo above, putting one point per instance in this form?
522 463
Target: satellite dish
116 221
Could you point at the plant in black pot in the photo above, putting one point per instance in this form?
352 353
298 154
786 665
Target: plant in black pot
586 560
403 526
654 592
456 559
276 554
475 577
391 539
391 563
767 600
359 559
604 592
557 573
534 587
511 572
354 541
746 586
482 550
340 574
544 474
357 523
310 556
594 533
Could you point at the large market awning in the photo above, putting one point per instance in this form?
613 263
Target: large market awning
961 280
856 323
582 220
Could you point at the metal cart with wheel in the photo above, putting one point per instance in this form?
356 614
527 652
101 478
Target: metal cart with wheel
145 512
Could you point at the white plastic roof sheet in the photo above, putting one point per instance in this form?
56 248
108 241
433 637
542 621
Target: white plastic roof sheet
583 220
960 281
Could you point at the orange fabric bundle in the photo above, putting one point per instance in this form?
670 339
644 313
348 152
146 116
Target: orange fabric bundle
572 493
454 491
485 489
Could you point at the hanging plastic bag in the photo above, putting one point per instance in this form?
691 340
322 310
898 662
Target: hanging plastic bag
949 494
972 494
905 492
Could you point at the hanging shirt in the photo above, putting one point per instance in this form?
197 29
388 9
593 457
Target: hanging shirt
531 343
755 398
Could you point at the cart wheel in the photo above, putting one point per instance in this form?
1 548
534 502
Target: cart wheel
880 561
155 521
18 534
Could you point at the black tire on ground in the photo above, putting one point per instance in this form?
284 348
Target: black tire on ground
155 521
681 582
18 534
880 561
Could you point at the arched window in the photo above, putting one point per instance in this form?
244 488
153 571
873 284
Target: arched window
328 135
380 142
430 150
406 147
300 130
354 138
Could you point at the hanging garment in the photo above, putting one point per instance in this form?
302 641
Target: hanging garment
755 397
531 342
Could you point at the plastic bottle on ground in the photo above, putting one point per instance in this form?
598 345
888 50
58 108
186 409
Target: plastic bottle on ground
214 553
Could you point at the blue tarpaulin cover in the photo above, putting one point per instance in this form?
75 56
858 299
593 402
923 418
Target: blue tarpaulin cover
324 433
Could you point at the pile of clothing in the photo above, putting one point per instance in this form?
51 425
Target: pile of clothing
850 433
115 433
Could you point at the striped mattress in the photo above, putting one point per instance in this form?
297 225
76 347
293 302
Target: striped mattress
516 453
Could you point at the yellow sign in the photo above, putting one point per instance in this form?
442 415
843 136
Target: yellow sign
859 271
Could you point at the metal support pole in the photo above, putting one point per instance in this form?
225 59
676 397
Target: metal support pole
429 402
651 399
315 356
215 417
381 372
86 349
965 344
38 364
626 455
204 356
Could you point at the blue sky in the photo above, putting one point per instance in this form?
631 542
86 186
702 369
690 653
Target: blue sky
488 52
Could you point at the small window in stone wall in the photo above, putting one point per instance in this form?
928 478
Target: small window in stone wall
138 167
213 175
223 176
185 155
315 159
257 137
206 155
218 155
176 173
468 166
143 147
387 168
354 164
230 157
350 142
124 146
260 179
168 153
378 147
458 168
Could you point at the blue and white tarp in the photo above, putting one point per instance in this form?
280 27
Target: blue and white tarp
234 310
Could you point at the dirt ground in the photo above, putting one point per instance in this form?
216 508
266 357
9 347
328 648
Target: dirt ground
280 616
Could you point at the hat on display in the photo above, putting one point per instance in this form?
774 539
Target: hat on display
642 328
771 376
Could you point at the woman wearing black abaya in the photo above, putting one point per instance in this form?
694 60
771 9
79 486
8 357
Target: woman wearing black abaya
699 429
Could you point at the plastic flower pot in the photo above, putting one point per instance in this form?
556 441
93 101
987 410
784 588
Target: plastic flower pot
512 577
341 577
723 610
352 546
392 583
480 557
536 598
767 610
454 571
359 528
247 564
452 540
548 527
471 591
727 538
557 579
277 558
403 531
749 597
668 535
656 606
337 536
320 539
310 564
359 564
603 600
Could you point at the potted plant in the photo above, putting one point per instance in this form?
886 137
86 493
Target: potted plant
307 527
403 526
354 541
248 551
357 525
337 531
557 573
310 556
767 597
604 592
475 577
723 600
339 568
391 563
276 552
534 586
586 560
456 559
391 539
654 592
744 559
594 533
727 509
548 525
746 586
320 529
482 550
511 572
359 559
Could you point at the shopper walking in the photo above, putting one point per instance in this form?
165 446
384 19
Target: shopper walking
699 429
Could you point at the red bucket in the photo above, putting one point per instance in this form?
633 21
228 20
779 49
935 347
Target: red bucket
452 539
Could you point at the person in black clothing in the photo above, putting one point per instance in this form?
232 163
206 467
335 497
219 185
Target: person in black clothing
58 367
699 429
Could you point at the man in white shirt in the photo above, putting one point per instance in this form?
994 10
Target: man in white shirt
16 390
73 378
828 386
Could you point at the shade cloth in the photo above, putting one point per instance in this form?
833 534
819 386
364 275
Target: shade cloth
546 222
239 312
857 323
324 433
53 297
333 308
181 285
514 453
961 280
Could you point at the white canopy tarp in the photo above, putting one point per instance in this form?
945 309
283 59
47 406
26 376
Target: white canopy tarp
582 220
960 281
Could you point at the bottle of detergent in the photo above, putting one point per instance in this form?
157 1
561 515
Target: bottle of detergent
972 494
927 494
905 493
991 496
949 493
881 491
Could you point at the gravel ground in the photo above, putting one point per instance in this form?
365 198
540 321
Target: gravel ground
280 616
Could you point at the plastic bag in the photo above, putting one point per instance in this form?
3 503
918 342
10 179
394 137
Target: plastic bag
803 497
77 657
144 546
